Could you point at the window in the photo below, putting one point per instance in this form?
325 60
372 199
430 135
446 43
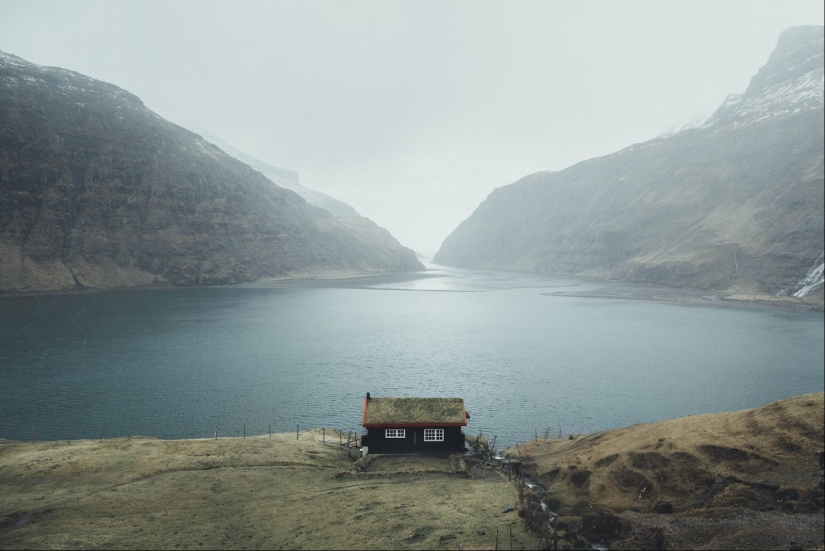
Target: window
433 435
396 433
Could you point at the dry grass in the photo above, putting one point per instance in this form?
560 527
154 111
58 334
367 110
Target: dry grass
674 476
748 480
242 494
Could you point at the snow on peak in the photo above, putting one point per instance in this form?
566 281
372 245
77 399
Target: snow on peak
687 123
790 82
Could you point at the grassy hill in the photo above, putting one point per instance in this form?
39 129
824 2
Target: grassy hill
747 479
744 480
253 493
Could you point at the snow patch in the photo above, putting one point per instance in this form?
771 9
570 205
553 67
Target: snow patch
812 280
781 88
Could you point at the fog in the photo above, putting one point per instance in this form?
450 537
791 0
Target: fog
413 112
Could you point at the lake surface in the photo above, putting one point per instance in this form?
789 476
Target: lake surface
307 352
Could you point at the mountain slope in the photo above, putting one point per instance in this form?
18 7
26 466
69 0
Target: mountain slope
98 191
288 179
734 204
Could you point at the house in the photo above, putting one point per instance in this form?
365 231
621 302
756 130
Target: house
413 425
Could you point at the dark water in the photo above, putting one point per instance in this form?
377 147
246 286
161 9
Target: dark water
190 359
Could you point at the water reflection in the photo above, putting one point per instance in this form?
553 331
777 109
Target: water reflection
524 354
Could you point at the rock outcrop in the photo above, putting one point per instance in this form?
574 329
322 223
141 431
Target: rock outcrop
98 191
735 204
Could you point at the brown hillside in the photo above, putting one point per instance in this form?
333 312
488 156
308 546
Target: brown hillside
688 482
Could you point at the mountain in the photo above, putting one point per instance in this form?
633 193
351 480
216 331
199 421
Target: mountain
735 204
288 179
98 191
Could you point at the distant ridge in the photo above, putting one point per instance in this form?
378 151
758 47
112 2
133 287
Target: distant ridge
287 179
97 191
734 204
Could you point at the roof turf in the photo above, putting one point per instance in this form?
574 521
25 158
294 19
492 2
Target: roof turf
411 411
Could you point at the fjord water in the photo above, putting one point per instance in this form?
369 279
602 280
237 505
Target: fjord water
183 361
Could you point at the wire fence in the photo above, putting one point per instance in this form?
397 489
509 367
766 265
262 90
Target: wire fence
240 430
344 437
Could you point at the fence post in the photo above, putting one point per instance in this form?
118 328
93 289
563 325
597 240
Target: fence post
323 435
216 432
244 431
297 428
128 433
100 433
32 435
270 430
67 434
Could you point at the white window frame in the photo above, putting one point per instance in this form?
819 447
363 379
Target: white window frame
395 433
433 435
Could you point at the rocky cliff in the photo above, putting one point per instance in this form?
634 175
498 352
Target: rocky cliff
735 204
96 190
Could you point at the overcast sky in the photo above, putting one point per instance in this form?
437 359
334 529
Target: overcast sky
413 112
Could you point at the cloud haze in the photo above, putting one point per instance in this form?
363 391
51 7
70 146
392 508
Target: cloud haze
413 112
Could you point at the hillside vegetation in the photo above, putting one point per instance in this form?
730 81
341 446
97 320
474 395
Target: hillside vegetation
750 479
252 493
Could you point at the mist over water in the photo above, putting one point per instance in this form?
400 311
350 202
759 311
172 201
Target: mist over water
190 359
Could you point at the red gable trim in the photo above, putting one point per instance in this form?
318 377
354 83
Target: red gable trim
364 414
402 425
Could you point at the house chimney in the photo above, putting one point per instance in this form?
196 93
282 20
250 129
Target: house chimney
368 395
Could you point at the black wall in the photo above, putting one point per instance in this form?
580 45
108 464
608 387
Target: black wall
413 442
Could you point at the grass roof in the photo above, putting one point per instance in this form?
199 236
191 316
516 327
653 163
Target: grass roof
410 411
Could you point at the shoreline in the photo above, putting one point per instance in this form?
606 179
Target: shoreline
353 279
693 297
605 289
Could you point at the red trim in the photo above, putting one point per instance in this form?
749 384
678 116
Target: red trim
403 425
364 414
